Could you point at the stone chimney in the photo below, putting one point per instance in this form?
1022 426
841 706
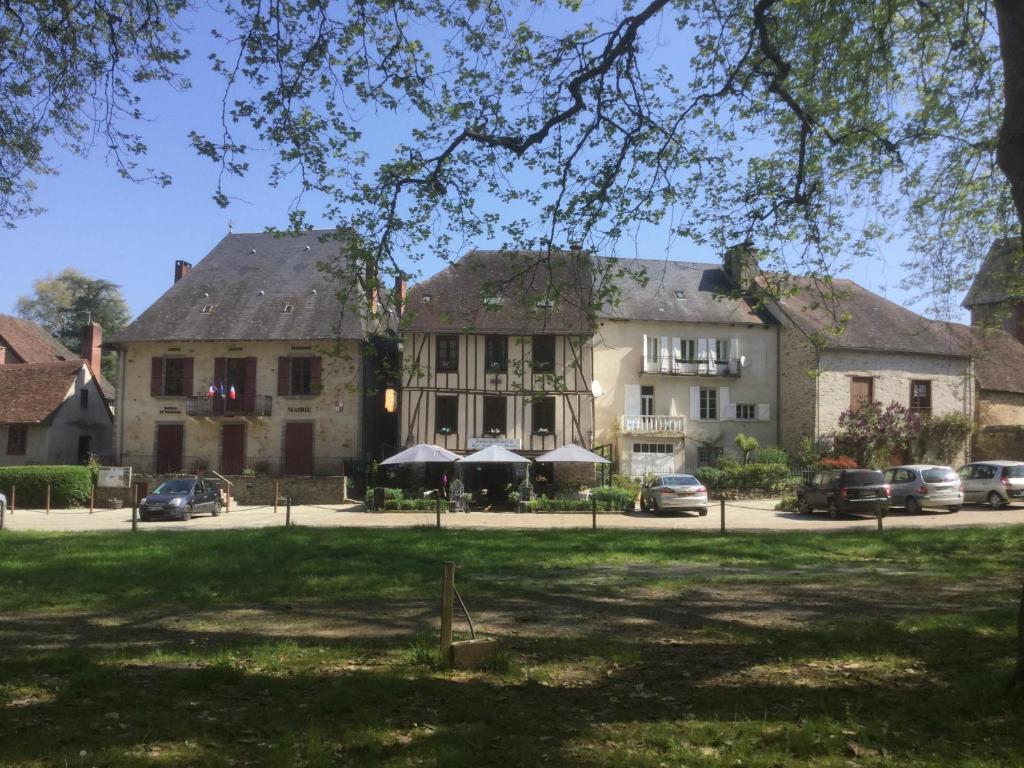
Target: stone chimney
401 295
740 263
92 342
181 269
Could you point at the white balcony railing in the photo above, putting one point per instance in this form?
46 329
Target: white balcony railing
671 364
639 425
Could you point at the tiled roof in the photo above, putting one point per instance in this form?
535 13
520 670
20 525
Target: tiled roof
246 281
998 357
705 294
31 393
1001 273
871 322
505 292
30 342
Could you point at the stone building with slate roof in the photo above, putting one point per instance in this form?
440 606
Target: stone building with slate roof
682 366
255 358
996 297
497 350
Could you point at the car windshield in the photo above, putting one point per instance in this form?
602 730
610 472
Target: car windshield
676 480
175 486
939 475
855 479
1014 471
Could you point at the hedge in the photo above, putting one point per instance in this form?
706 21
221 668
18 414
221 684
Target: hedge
70 486
746 477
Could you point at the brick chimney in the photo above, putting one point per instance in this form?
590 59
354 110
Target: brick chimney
181 269
92 341
401 295
740 263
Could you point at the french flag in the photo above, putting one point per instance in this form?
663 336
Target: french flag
232 394
212 392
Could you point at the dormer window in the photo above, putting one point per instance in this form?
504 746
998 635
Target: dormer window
494 301
680 294
545 304
288 309
207 309
426 298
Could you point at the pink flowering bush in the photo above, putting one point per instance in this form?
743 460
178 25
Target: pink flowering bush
874 432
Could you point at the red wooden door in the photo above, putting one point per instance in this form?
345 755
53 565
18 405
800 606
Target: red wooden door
170 441
232 449
298 448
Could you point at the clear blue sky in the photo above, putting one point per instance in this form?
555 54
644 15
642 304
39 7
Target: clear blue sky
131 234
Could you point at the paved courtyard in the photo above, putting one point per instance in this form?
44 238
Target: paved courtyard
758 515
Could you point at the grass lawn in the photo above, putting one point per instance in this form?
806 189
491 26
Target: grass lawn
312 647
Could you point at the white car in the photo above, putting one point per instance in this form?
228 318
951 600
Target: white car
994 482
3 501
670 492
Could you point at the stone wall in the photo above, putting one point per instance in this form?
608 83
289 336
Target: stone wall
258 490
798 366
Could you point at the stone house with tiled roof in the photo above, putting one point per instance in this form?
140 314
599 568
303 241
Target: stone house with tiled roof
250 361
497 350
682 367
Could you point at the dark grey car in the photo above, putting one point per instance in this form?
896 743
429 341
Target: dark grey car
181 499
845 490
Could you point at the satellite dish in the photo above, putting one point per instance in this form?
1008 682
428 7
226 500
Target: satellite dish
596 389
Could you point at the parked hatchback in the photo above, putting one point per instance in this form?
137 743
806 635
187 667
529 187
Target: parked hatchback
996 483
922 486
844 490
181 499
673 492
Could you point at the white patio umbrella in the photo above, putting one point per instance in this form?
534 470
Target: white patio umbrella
494 454
572 454
423 453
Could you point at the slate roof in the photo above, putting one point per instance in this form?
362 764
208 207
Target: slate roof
998 357
462 296
872 322
32 392
246 280
705 294
30 342
1001 273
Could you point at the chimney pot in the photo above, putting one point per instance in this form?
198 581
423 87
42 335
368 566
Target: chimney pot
181 269
401 295
92 345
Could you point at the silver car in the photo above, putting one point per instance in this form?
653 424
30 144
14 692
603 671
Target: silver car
674 491
995 482
924 486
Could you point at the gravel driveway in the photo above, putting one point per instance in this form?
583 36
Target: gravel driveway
757 515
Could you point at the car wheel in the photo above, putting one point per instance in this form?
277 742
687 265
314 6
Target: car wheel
913 507
143 518
216 508
995 500
186 513
656 507
804 508
833 509
643 504
703 511
955 508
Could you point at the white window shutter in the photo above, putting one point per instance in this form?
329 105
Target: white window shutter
694 402
764 411
677 353
663 353
724 404
734 349
632 399
712 367
702 349
645 368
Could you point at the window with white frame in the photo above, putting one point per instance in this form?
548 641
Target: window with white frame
708 403
687 351
653 349
721 349
746 412
653 448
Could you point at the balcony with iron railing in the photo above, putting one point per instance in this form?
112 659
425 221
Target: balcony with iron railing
244 405
652 425
677 366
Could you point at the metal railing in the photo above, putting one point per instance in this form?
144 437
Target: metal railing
681 367
639 425
245 405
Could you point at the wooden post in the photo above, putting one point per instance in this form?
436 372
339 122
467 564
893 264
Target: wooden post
878 514
447 609
437 510
277 494
593 512
227 508
721 511
135 508
14 489
288 512
47 498
92 499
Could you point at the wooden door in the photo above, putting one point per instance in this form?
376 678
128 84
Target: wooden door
170 442
861 392
232 449
298 448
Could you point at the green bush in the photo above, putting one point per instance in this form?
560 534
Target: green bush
408 505
627 483
393 494
610 497
769 455
770 477
70 486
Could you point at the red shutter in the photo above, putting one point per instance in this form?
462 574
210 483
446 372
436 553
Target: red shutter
187 369
156 377
283 371
250 382
316 370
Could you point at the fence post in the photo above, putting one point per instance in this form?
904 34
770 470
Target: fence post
14 489
447 609
92 499
437 510
135 508
721 503
288 512
47 498
277 494
593 512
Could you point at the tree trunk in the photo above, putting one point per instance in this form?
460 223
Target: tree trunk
1010 151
